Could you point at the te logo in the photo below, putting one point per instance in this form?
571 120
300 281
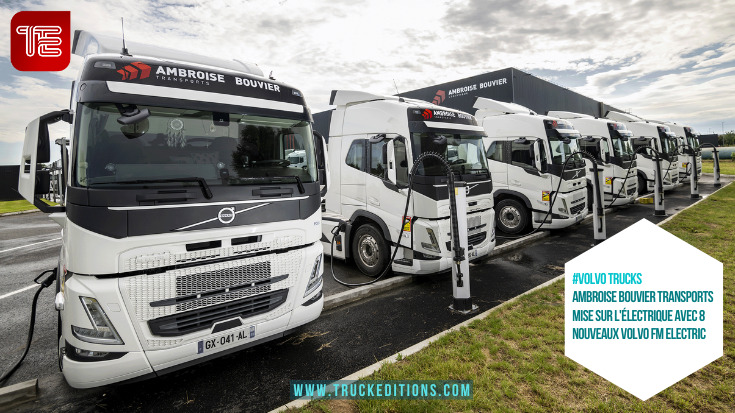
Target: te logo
39 40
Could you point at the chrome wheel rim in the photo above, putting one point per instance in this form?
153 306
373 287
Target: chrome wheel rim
369 253
510 217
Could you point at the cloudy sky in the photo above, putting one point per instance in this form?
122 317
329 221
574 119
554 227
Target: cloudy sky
666 60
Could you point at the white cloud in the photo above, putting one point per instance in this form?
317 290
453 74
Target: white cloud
631 53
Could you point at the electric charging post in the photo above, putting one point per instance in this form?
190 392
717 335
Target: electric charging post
694 179
598 212
658 189
658 186
716 158
462 301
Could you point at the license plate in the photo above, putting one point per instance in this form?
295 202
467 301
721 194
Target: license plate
227 340
472 254
578 218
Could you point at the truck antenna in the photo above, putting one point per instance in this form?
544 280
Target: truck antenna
397 92
124 49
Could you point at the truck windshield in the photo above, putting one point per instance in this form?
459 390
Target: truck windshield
622 147
560 150
465 153
673 147
693 142
169 143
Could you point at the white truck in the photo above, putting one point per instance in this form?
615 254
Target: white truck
610 143
687 138
526 154
185 233
373 142
658 137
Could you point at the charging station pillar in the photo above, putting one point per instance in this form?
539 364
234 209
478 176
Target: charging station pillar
693 179
717 168
658 195
462 301
598 211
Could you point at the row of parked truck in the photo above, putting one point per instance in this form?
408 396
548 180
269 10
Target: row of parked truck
523 170
199 202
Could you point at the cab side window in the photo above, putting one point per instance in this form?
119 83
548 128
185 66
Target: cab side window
496 151
520 155
356 155
637 144
377 167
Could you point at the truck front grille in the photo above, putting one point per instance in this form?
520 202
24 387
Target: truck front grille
476 239
178 291
576 209
204 318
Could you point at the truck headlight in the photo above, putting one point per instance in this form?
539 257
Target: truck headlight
434 246
315 279
102 331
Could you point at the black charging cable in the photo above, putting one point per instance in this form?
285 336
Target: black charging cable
43 284
453 219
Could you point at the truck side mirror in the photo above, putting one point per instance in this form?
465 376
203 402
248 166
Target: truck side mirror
322 163
536 155
390 158
32 179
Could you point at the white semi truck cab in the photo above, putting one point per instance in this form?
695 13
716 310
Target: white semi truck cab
526 154
658 137
688 141
373 143
187 233
610 143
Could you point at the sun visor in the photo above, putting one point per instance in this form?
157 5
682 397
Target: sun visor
86 43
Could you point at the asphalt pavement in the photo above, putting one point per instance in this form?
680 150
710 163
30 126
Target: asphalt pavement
341 341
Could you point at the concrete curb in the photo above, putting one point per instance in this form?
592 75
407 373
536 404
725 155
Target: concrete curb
510 245
28 211
18 393
350 296
356 294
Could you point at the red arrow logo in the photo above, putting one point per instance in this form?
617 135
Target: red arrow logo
439 98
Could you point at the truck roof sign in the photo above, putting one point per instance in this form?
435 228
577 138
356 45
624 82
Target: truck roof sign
441 115
182 76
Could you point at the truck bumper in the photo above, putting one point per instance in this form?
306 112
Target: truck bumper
144 353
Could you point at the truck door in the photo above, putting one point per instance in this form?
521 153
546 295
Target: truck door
387 174
353 170
527 156
497 157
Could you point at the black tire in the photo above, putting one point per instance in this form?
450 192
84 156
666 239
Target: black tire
370 250
511 216
642 186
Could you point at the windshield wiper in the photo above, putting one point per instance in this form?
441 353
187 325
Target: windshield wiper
202 183
275 179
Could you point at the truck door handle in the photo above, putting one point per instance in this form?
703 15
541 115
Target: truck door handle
373 201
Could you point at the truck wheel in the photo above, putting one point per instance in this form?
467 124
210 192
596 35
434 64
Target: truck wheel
512 216
642 186
370 250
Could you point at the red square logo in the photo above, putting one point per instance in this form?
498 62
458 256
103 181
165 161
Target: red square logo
39 40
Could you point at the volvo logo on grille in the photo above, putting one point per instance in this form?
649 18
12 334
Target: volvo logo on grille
226 215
